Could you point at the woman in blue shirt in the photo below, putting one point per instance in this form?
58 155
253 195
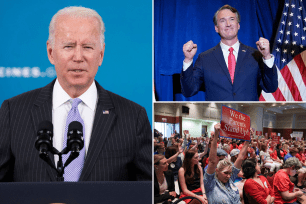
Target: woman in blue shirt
220 176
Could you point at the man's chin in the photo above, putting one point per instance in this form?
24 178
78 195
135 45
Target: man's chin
79 83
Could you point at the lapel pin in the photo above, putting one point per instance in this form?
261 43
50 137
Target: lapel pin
243 51
105 112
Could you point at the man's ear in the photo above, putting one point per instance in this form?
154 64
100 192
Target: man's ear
102 55
216 29
50 52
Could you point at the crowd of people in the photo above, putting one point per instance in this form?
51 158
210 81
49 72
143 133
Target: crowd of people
222 170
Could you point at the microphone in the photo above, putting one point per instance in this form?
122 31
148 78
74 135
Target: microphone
43 141
75 141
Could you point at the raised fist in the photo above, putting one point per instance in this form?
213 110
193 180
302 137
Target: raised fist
189 49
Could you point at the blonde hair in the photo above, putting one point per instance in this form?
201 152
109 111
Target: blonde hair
77 12
224 163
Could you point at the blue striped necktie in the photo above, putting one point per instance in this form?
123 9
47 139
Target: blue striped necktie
74 169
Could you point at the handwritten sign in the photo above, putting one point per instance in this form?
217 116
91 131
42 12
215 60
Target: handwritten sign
275 138
235 124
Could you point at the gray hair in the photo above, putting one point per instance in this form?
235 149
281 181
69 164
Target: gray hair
77 12
232 9
292 161
226 147
224 163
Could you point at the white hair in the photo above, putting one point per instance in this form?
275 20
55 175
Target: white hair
77 12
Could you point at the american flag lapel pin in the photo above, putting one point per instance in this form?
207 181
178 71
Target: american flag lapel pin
243 51
105 112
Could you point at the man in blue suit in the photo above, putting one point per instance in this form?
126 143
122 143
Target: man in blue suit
226 76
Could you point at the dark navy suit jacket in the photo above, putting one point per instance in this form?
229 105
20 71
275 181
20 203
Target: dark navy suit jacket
251 76
120 147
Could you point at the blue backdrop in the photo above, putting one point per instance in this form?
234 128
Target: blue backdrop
176 22
127 66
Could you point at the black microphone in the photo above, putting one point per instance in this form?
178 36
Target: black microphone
43 141
75 141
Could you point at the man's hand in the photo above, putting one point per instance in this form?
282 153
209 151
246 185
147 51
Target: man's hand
263 45
189 49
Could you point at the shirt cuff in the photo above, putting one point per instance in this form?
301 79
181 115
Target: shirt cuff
270 61
186 65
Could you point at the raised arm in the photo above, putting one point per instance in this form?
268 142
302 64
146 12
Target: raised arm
174 157
243 152
213 159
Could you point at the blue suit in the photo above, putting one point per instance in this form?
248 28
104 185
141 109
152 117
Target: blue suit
251 76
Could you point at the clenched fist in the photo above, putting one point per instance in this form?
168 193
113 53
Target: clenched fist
263 45
189 49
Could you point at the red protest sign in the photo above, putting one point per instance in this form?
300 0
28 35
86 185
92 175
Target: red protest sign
275 138
234 124
259 133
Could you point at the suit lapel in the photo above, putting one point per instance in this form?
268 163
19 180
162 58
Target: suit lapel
42 110
103 123
242 53
220 58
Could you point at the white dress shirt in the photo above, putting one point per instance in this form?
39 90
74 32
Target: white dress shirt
61 105
226 52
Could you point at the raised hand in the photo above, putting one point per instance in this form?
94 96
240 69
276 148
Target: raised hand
263 45
189 49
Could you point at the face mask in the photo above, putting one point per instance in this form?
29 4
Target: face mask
292 172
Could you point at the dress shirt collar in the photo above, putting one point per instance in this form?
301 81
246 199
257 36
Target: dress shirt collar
89 97
226 47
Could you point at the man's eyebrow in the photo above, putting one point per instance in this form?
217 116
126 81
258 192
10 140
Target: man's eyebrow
68 43
91 44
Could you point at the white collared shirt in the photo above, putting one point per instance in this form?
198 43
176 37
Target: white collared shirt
226 52
61 105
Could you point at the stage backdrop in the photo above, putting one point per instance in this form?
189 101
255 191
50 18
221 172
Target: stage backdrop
176 22
127 66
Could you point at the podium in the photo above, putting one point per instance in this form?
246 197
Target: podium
115 192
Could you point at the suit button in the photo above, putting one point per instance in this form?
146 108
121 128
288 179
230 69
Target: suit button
234 94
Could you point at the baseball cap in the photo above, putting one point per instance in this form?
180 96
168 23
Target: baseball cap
221 152
234 152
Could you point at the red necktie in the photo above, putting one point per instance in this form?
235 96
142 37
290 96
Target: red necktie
231 63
